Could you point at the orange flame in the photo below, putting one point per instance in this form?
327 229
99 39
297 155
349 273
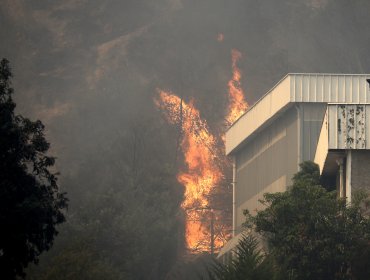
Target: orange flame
237 104
201 153
202 174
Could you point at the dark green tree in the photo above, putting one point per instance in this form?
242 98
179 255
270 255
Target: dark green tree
31 204
248 263
312 234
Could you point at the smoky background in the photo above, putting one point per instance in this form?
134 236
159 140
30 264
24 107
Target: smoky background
90 70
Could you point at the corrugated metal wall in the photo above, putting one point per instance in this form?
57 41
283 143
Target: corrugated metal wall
269 160
333 88
312 118
272 154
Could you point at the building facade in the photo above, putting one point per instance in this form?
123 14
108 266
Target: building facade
318 117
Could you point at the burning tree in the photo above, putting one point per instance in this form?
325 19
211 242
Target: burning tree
207 224
202 173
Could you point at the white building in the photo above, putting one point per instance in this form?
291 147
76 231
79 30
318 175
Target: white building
319 117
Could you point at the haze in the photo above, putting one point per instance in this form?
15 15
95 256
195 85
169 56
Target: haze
89 70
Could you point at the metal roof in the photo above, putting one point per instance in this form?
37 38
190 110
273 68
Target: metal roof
294 88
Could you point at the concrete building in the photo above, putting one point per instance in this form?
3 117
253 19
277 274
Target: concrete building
320 117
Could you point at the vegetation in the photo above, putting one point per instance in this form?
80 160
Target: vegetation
112 229
126 222
30 202
310 234
248 263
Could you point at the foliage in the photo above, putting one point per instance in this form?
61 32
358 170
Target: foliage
30 202
248 262
313 235
308 175
130 221
77 261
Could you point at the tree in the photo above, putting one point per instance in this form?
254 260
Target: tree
78 260
31 204
124 207
248 262
312 234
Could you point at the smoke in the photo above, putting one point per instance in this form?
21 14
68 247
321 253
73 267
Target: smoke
88 70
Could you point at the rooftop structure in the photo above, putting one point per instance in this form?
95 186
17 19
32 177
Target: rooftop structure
319 117
298 88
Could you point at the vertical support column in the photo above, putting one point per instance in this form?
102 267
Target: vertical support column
299 136
234 195
341 178
348 176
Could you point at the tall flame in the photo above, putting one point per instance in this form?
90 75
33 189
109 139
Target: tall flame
201 175
202 152
237 104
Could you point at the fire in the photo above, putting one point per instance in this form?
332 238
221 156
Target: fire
237 104
203 155
201 175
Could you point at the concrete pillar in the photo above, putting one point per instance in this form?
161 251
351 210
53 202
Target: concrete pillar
349 176
341 178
